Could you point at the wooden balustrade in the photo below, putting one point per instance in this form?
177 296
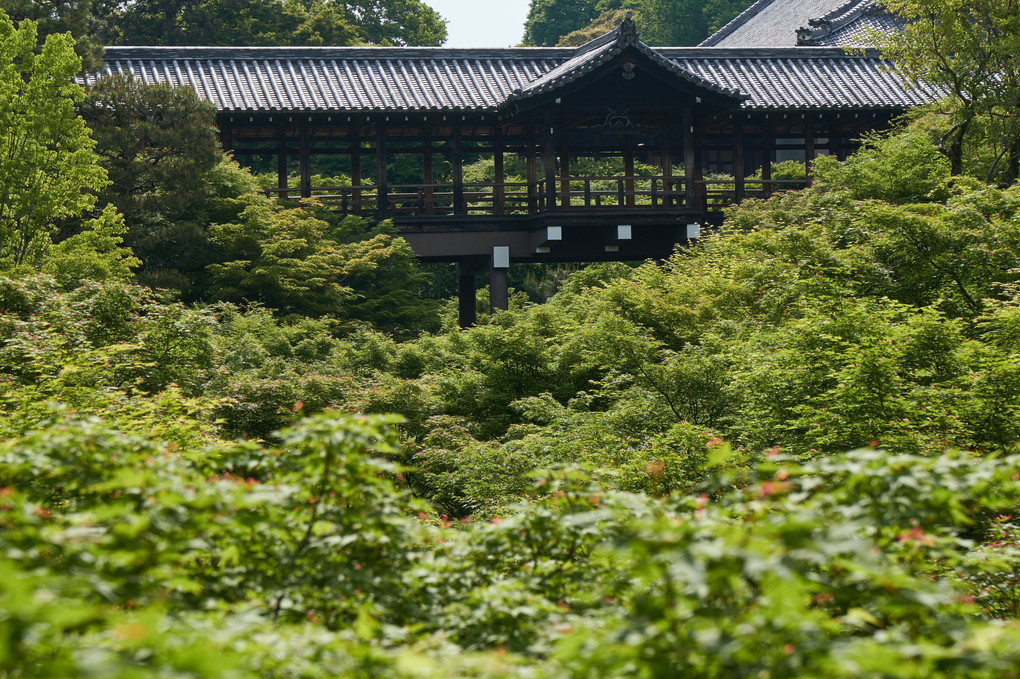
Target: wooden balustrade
524 198
720 193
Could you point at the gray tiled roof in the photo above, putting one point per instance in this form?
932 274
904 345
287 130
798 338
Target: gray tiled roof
770 23
809 78
387 79
591 55
338 78
855 32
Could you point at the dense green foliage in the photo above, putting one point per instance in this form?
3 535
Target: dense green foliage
83 19
47 164
971 51
94 23
297 472
646 474
661 22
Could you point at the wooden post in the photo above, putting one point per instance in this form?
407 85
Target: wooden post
809 148
532 171
667 171
549 162
565 172
355 142
428 176
689 160
766 162
498 170
836 145
382 207
281 166
459 207
628 169
738 160
466 309
499 289
306 175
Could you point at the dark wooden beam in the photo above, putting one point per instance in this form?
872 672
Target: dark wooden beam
305 169
356 180
690 160
498 171
532 172
457 150
467 312
738 160
549 160
628 169
428 175
809 147
564 170
499 289
282 174
382 187
666 162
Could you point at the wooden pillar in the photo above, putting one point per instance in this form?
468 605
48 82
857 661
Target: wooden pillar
738 160
355 141
459 208
226 136
809 148
498 171
766 163
628 169
690 161
549 161
305 157
282 174
532 144
382 188
467 314
565 172
428 176
499 289
667 171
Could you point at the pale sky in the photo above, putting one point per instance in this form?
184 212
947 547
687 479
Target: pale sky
483 23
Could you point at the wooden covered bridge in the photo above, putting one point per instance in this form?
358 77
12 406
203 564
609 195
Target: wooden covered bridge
611 151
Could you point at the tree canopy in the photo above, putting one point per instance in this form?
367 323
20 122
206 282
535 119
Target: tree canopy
94 23
85 20
971 51
660 22
48 168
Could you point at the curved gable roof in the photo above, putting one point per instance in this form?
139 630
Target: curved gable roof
593 54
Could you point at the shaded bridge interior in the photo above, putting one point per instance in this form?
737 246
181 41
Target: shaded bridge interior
589 179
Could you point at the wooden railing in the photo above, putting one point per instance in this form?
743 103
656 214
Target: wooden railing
720 193
524 198
637 191
418 200
506 198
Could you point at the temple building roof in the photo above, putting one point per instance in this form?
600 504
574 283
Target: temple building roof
591 55
786 23
425 79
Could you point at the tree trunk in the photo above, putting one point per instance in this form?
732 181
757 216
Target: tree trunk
952 146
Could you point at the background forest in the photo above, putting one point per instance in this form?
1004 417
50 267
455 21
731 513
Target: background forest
244 439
